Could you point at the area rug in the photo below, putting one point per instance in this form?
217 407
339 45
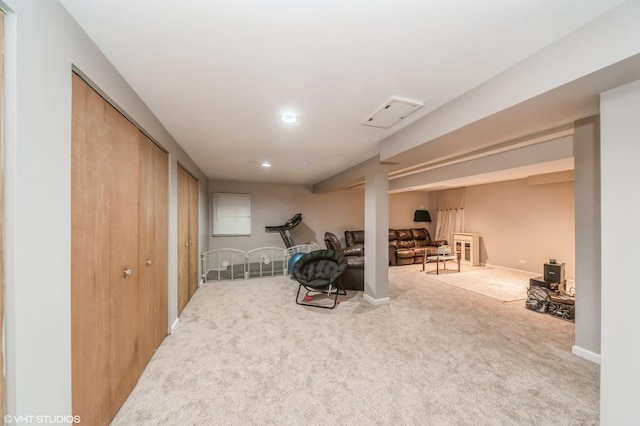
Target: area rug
502 284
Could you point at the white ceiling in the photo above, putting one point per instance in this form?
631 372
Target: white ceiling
218 74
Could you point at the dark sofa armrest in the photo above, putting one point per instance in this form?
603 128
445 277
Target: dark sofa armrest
439 243
393 258
353 251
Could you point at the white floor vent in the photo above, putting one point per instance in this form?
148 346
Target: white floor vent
392 112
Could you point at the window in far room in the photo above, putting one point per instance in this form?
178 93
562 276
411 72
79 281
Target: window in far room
231 214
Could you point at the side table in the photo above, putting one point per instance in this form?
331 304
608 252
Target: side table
438 255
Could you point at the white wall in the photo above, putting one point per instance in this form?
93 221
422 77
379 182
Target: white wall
42 44
518 221
274 204
402 205
620 151
336 212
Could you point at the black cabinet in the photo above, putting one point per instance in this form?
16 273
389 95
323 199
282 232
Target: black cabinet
554 272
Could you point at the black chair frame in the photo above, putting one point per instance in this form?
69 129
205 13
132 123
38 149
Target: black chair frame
337 290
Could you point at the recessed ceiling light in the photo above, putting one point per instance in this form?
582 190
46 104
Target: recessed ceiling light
266 164
289 118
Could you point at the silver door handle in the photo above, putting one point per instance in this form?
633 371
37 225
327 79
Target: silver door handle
149 262
127 272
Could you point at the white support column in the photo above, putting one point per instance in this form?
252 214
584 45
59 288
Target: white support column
620 174
376 242
586 152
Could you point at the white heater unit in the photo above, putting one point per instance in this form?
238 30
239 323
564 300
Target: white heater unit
392 112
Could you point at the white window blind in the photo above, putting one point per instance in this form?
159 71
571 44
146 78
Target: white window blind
231 214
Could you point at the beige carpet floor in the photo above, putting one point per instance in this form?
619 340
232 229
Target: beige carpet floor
246 354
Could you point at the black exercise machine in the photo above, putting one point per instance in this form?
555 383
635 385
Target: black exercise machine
284 229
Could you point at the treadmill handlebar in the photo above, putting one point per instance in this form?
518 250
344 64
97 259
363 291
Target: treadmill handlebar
291 223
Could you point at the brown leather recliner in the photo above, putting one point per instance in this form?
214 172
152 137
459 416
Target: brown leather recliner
353 278
354 239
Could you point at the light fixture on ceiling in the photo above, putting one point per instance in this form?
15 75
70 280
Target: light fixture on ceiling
392 112
289 118
266 164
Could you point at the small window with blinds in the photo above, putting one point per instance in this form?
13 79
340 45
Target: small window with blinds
231 214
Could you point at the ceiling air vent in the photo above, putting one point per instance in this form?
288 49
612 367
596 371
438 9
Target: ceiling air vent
393 111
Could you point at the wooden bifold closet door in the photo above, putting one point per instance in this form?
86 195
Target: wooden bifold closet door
153 248
119 252
188 255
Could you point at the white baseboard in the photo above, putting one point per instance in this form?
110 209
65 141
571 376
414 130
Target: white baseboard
511 269
588 355
174 325
570 283
383 301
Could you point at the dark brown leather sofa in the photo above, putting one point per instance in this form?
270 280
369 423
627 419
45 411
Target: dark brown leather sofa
406 246
353 278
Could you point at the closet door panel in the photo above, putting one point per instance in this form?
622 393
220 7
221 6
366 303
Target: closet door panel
124 270
194 255
91 151
153 233
183 238
161 246
146 252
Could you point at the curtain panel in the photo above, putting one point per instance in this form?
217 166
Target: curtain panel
450 217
